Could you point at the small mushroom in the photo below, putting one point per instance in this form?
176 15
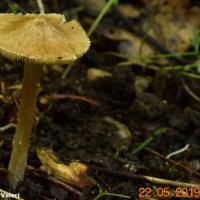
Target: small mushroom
36 40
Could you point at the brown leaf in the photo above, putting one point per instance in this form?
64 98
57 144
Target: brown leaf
129 45
74 174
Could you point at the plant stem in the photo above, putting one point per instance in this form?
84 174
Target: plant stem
100 16
26 117
148 140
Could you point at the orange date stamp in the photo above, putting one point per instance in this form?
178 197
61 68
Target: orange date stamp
165 192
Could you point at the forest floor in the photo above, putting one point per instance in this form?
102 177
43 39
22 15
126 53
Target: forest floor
129 108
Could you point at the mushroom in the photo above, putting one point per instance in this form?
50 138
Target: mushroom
36 40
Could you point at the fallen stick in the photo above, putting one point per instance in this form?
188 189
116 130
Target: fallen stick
150 179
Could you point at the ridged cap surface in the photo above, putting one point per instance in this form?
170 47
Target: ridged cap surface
41 38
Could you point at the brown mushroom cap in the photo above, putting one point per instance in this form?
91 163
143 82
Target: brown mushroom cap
41 38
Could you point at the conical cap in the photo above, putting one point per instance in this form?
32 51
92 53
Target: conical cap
41 38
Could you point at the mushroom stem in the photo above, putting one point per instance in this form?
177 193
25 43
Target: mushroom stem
26 117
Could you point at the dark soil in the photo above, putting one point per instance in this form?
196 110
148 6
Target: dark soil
78 130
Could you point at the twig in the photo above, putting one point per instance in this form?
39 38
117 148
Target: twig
150 179
173 162
40 6
55 181
170 182
178 151
65 186
74 97
190 92
67 70
7 126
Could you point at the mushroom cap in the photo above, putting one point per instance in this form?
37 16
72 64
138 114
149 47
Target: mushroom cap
41 38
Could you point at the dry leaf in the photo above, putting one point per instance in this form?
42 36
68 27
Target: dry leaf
129 45
176 30
171 26
74 174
